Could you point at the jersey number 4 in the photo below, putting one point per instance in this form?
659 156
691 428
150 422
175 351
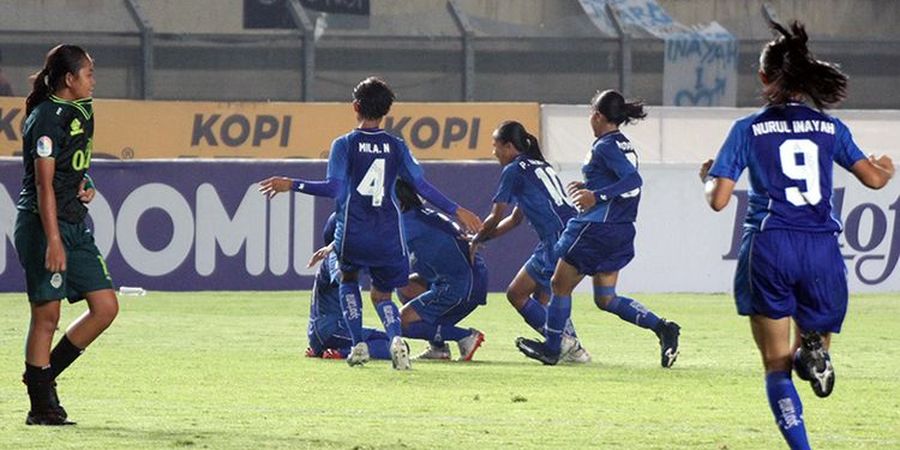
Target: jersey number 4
372 183
807 170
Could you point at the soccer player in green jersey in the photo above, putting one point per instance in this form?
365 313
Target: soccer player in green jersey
55 246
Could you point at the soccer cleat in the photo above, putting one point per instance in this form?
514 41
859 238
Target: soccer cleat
359 354
668 333
54 401
310 353
573 352
469 344
813 364
332 353
50 418
536 350
441 352
400 354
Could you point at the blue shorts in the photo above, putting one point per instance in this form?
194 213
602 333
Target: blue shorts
541 264
384 278
443 305
594 247
784 273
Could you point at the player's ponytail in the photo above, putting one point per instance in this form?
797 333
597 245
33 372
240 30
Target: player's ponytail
790 70
61 60
515 133
613 106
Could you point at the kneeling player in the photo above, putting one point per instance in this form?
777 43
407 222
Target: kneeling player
445 285
327 331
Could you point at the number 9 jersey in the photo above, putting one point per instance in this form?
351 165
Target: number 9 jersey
369 230
789 150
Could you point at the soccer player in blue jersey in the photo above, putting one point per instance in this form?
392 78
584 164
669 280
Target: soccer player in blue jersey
530 184
790 264
362 167
327 331
600 240
445 286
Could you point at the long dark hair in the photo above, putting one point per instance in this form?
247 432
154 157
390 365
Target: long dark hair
613 106
515 133
791 69
407 195
62 59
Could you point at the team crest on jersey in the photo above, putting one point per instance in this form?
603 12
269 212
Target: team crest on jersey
75 128
56 280
44 146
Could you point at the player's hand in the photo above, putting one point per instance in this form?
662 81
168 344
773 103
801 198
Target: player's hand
573 187
271 186
320 254
884 162
468 220
584 199
704 170
55 257
85 195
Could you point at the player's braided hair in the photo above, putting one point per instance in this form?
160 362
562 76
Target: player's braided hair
61 60
613 106
515 133
791 70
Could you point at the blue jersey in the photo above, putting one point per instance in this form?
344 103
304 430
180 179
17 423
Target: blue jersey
789 150
534 187
438 251
325 301
366 162
612 158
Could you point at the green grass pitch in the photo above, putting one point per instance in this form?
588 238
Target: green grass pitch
225 370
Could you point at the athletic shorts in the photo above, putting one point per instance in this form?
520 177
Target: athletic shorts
384 278
783 273
595 247
542 263
85 268
446 305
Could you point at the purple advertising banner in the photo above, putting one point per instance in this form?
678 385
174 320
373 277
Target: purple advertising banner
202 225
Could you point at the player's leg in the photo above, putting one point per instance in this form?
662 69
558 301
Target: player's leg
772 337
422 319
384 280
38 377
565 278
415 287
525 294
350 299
103 307
632 311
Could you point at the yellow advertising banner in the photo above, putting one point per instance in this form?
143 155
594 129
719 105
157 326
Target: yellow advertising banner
132 129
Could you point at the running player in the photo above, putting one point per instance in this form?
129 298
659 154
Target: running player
533 187
55 246
600 240
327 331
362 167
790 263
446 285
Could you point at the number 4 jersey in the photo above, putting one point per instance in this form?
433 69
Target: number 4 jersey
369 230
789 150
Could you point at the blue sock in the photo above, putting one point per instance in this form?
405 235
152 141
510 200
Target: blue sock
351 307
786 407
535 314
569 330
558 312
436 334
390 318
628 310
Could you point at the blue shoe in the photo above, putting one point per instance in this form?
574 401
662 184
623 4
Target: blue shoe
537 350
814 364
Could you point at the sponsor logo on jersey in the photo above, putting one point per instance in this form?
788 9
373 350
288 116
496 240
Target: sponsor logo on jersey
75 128
44 146
56 280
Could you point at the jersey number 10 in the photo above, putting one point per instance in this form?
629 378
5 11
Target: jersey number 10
554 187
808 171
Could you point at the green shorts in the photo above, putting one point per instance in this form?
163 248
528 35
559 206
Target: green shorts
85 268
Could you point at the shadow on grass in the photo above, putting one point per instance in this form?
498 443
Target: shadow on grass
238 438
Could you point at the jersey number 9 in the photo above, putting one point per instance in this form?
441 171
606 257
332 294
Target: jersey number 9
807 171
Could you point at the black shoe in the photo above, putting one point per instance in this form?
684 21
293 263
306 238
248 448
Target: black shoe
537 350
814 364
49 418
54 401
668 333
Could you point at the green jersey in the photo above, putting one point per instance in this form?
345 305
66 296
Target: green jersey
62 130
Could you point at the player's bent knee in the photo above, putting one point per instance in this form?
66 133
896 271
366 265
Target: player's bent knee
780 363
602 301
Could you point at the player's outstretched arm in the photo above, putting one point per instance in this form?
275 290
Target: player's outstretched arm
328 188
488 228
468 219
718 190
874 172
